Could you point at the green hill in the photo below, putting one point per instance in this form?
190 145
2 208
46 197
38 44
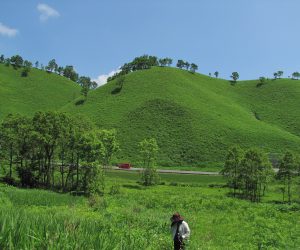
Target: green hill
39 91
195 118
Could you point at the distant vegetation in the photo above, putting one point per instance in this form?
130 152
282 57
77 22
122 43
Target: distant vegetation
146 62
52 143
249 173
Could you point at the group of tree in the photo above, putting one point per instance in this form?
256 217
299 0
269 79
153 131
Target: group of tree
278 74
68 71
49 143
56 151
249 173
146 62
289 168
139 63
18 63
192 67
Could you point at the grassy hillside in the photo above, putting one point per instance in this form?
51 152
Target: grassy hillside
38 91
195 118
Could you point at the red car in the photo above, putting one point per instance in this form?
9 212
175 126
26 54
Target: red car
125 165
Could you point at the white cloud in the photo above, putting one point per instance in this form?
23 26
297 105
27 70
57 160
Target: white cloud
7 31
46 12
102 79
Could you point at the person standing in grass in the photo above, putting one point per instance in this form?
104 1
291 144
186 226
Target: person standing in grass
180 231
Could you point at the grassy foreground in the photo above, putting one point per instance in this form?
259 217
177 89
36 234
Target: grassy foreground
138 217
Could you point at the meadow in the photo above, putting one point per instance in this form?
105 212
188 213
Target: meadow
137 217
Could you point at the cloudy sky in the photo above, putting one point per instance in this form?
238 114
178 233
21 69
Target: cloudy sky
253 37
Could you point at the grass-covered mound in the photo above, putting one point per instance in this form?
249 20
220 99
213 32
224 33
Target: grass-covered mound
195 118
39 91
138 217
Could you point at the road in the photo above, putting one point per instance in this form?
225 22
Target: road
169 171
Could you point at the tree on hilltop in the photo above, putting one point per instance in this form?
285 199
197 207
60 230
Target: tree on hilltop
162 62
27 68
2 59
16 61
216 74
169 61
296 75
279 73
187 65
52 65
180 64
235 76
70 73
194 67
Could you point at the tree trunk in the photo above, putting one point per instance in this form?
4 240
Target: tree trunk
62 172
10 161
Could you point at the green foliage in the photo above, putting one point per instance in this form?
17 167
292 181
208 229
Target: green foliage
194 67
248 172
232 168
286 173
34 146
235 76
262 81
296 75
115 189
16 61
95 180
148 154
180 64
52 65
70 73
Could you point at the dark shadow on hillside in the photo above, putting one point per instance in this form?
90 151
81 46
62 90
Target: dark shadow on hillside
233 83
115 91
80 102
133 186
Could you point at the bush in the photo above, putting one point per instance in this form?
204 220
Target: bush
96 181
115 189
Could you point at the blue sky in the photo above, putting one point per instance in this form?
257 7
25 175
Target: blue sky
253 37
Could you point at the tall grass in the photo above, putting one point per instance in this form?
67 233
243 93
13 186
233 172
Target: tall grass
139 219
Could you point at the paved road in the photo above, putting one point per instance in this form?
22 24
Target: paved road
176 171
170 171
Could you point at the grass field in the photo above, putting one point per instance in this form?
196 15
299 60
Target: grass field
138 217
40 91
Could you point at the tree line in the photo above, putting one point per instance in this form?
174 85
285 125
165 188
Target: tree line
56 151
17 62
146 62
249 172
52 142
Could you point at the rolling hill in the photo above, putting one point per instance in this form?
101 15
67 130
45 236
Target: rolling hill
195 118
39 91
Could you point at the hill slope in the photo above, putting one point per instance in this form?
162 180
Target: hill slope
38 91
194 117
